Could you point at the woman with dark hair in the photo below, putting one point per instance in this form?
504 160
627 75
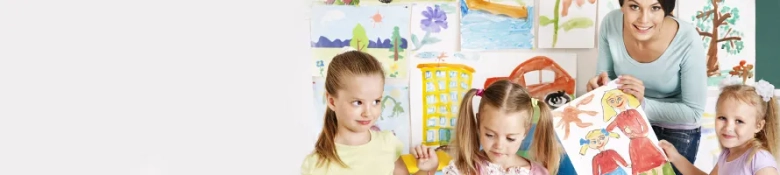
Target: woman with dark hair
661 61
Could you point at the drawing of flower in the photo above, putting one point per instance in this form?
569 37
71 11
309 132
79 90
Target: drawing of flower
321 65
567 4
435 20
394 69
571 23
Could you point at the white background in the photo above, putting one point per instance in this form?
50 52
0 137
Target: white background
153 87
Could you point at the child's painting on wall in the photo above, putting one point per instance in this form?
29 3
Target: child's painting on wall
606 132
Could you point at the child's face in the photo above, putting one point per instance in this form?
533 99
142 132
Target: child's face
736 123
617 101
500 134
358 103
598 142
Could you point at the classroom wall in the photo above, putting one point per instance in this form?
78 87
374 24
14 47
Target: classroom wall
767 54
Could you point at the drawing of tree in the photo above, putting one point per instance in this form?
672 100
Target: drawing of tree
396 42
572 23
714 23
397 108
359 38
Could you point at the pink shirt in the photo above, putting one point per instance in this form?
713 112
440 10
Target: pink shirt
739 166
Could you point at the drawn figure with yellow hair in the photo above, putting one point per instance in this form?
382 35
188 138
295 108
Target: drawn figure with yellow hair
642 152
606 161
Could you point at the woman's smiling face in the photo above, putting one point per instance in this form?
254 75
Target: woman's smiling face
641 18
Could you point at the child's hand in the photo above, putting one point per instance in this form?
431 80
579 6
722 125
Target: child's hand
671 152
426 158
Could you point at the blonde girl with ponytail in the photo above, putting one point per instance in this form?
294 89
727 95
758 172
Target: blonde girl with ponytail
354 84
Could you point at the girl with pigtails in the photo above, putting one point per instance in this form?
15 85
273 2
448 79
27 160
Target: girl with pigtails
606 161
499 126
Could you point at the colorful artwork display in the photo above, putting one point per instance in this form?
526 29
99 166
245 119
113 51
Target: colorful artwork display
394 103
727 31
607 132
496 25
434 27
381 31
567 23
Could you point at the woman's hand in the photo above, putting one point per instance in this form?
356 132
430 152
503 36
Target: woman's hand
426 158
671 152
598 81
632 86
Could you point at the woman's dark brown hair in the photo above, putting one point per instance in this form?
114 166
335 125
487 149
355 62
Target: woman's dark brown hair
666 5
343 66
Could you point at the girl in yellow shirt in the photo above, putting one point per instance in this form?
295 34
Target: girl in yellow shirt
354 84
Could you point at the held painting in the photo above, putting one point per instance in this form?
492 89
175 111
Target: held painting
567 23
394 104
606 131
496 24
381 31
727 31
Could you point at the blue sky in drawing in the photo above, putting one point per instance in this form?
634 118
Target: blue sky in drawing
481 30
337 22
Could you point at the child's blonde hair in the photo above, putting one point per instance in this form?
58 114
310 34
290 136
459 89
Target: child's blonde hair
766 110
351 63
609 111
507 97
593 134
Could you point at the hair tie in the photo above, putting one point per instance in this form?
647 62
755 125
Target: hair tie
765 89
583 141
604 131
479 92
535 102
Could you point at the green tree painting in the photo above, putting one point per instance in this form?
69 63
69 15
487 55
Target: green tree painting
396 41
359 38
714 23
397 108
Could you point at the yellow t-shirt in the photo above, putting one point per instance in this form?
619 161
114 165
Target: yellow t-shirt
377 157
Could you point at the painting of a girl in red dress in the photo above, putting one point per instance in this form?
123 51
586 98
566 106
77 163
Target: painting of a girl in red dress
606 161
645 156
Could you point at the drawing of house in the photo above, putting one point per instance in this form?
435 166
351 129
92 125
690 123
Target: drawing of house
443 87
